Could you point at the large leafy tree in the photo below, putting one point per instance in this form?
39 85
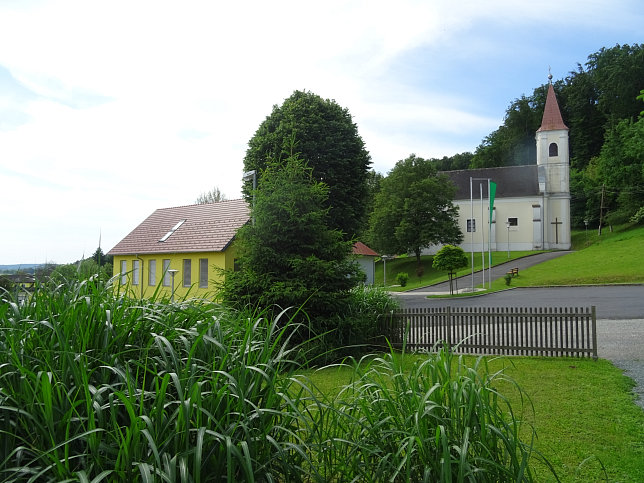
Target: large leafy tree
414 210
324 135
579 100
289 256
513 142
620 168
617 73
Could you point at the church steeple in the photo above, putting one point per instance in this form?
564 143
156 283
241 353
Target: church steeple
553 167
552 120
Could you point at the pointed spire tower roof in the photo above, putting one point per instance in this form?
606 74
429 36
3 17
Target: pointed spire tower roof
552 120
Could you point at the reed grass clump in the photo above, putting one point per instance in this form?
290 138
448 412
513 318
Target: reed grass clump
438 420
96 387
103 388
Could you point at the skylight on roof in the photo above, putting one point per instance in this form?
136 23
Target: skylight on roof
174 228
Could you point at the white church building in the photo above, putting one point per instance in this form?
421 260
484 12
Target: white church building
532 203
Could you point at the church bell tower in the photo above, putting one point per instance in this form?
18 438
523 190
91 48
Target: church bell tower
553 166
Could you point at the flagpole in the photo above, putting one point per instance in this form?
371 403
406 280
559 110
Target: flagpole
482 237
489 238
472 231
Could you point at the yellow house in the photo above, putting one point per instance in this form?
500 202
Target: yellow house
178 250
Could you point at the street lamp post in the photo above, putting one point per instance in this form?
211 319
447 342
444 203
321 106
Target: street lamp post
172 273
507 224
384 269
586 223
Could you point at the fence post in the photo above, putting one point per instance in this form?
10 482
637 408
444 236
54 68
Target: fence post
594 316
448 323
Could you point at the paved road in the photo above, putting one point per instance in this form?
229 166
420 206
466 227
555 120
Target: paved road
612 302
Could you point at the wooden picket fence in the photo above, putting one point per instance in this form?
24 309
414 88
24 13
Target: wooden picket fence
510 331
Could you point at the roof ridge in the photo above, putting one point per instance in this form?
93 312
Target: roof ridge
488 168
200 204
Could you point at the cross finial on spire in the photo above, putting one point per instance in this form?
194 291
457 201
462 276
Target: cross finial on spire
549 75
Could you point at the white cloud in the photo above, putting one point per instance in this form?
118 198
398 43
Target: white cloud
122 107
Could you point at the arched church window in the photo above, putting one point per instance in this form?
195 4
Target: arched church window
553 150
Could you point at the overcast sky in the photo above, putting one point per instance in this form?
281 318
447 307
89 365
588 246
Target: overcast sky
109 110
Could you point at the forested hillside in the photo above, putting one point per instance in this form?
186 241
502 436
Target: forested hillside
601 103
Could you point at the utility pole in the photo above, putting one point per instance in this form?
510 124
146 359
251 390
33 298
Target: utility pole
601 212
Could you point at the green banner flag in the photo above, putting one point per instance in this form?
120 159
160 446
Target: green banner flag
492 194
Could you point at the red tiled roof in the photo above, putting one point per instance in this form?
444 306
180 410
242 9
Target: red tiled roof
552 120
207 228
360 248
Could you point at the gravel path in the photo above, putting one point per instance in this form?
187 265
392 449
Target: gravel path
621 342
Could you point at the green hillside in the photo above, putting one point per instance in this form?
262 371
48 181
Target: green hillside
613 257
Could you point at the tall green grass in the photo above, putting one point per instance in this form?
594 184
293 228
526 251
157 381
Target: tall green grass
438 420
96 387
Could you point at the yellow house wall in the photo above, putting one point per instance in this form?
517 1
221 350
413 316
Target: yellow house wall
216 260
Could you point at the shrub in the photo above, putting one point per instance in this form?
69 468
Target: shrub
508 278
401 278
353 332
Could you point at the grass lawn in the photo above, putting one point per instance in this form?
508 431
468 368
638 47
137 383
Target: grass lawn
585 437
612 258
407 264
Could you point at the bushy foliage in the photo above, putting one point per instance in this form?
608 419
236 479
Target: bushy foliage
213 196
638 217
414 210
289 256
402 278
356 330
620 167
82 270
324 135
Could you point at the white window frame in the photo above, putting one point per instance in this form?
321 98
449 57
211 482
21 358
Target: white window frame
471 223
136 265
123 272
166 272
152 272
203 273
187 272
